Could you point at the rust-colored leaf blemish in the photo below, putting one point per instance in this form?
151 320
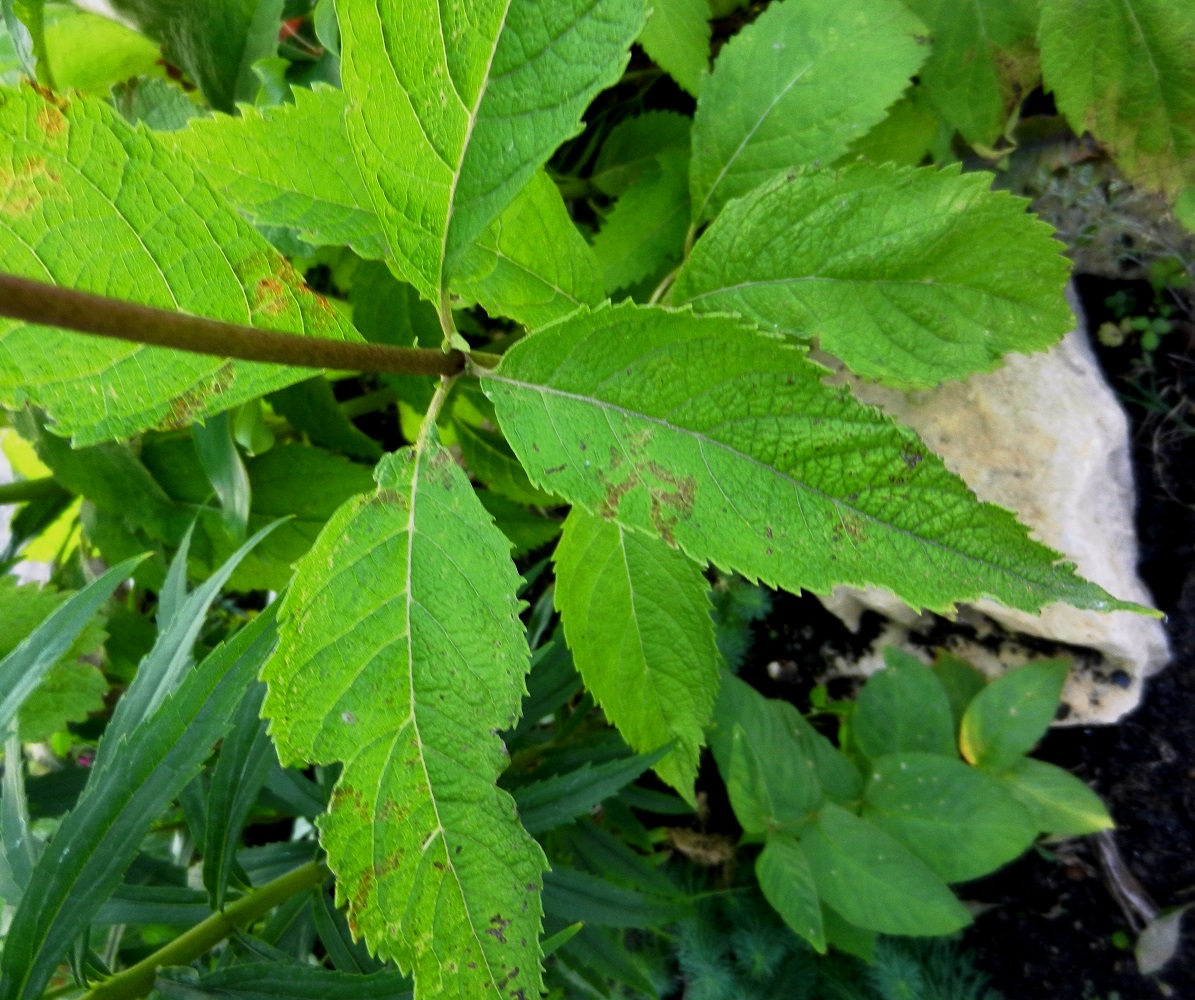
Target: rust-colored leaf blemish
51 121
269 297
23 189
185 406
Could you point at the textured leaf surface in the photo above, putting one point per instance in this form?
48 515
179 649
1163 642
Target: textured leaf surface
677 37
402 655
289 165
796 86
89 202
910 276
530 263
645 231
724 441
983 61
956 819
1125 71
637 618
453 107
874 882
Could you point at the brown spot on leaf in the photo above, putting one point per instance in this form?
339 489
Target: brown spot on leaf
51 121
911 457
498 928
269 297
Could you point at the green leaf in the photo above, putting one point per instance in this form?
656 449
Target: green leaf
88 191
797 86
25 21
1061 804
911 133
961 681
91 53
1007 718
216 43
786 881
637 618
23 667
289 165
574 895
530 263
983 62
634 147
771 784
910 276
645 231
246 759
526 531
903 707
554 801
225 470
97 841
677 37
453 109
750 462
956 819
844 936
1125 71
874 882
311 407
410 591
19 847
794 763
490 459
70 692
279 981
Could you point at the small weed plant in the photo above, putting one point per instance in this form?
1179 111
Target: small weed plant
484 353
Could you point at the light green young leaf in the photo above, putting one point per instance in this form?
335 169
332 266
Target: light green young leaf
452 109
677 37
23 667
402 655
983 61
530 263
874 882
1007 718
956 819
216 42
786 882
102 207
634 146
904 707
645 231
797 86
637 618
1125 71
99 838
91 53
289 165
1061 804
910 276
722 440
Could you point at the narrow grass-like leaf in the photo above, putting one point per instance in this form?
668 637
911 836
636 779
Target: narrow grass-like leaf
530 263
281 981
97 841
402 656
246 759
453 107
18 847
102 207
575 895
797 86
563 797
725 442
23 669
637 617
225 471
910 276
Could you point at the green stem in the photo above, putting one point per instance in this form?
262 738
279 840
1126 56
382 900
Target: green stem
371 402
663 287
49 305
433 410
138 980
30 489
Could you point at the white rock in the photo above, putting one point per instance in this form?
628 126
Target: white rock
1045 437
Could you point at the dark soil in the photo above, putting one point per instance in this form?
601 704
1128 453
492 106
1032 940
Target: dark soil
1053 930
